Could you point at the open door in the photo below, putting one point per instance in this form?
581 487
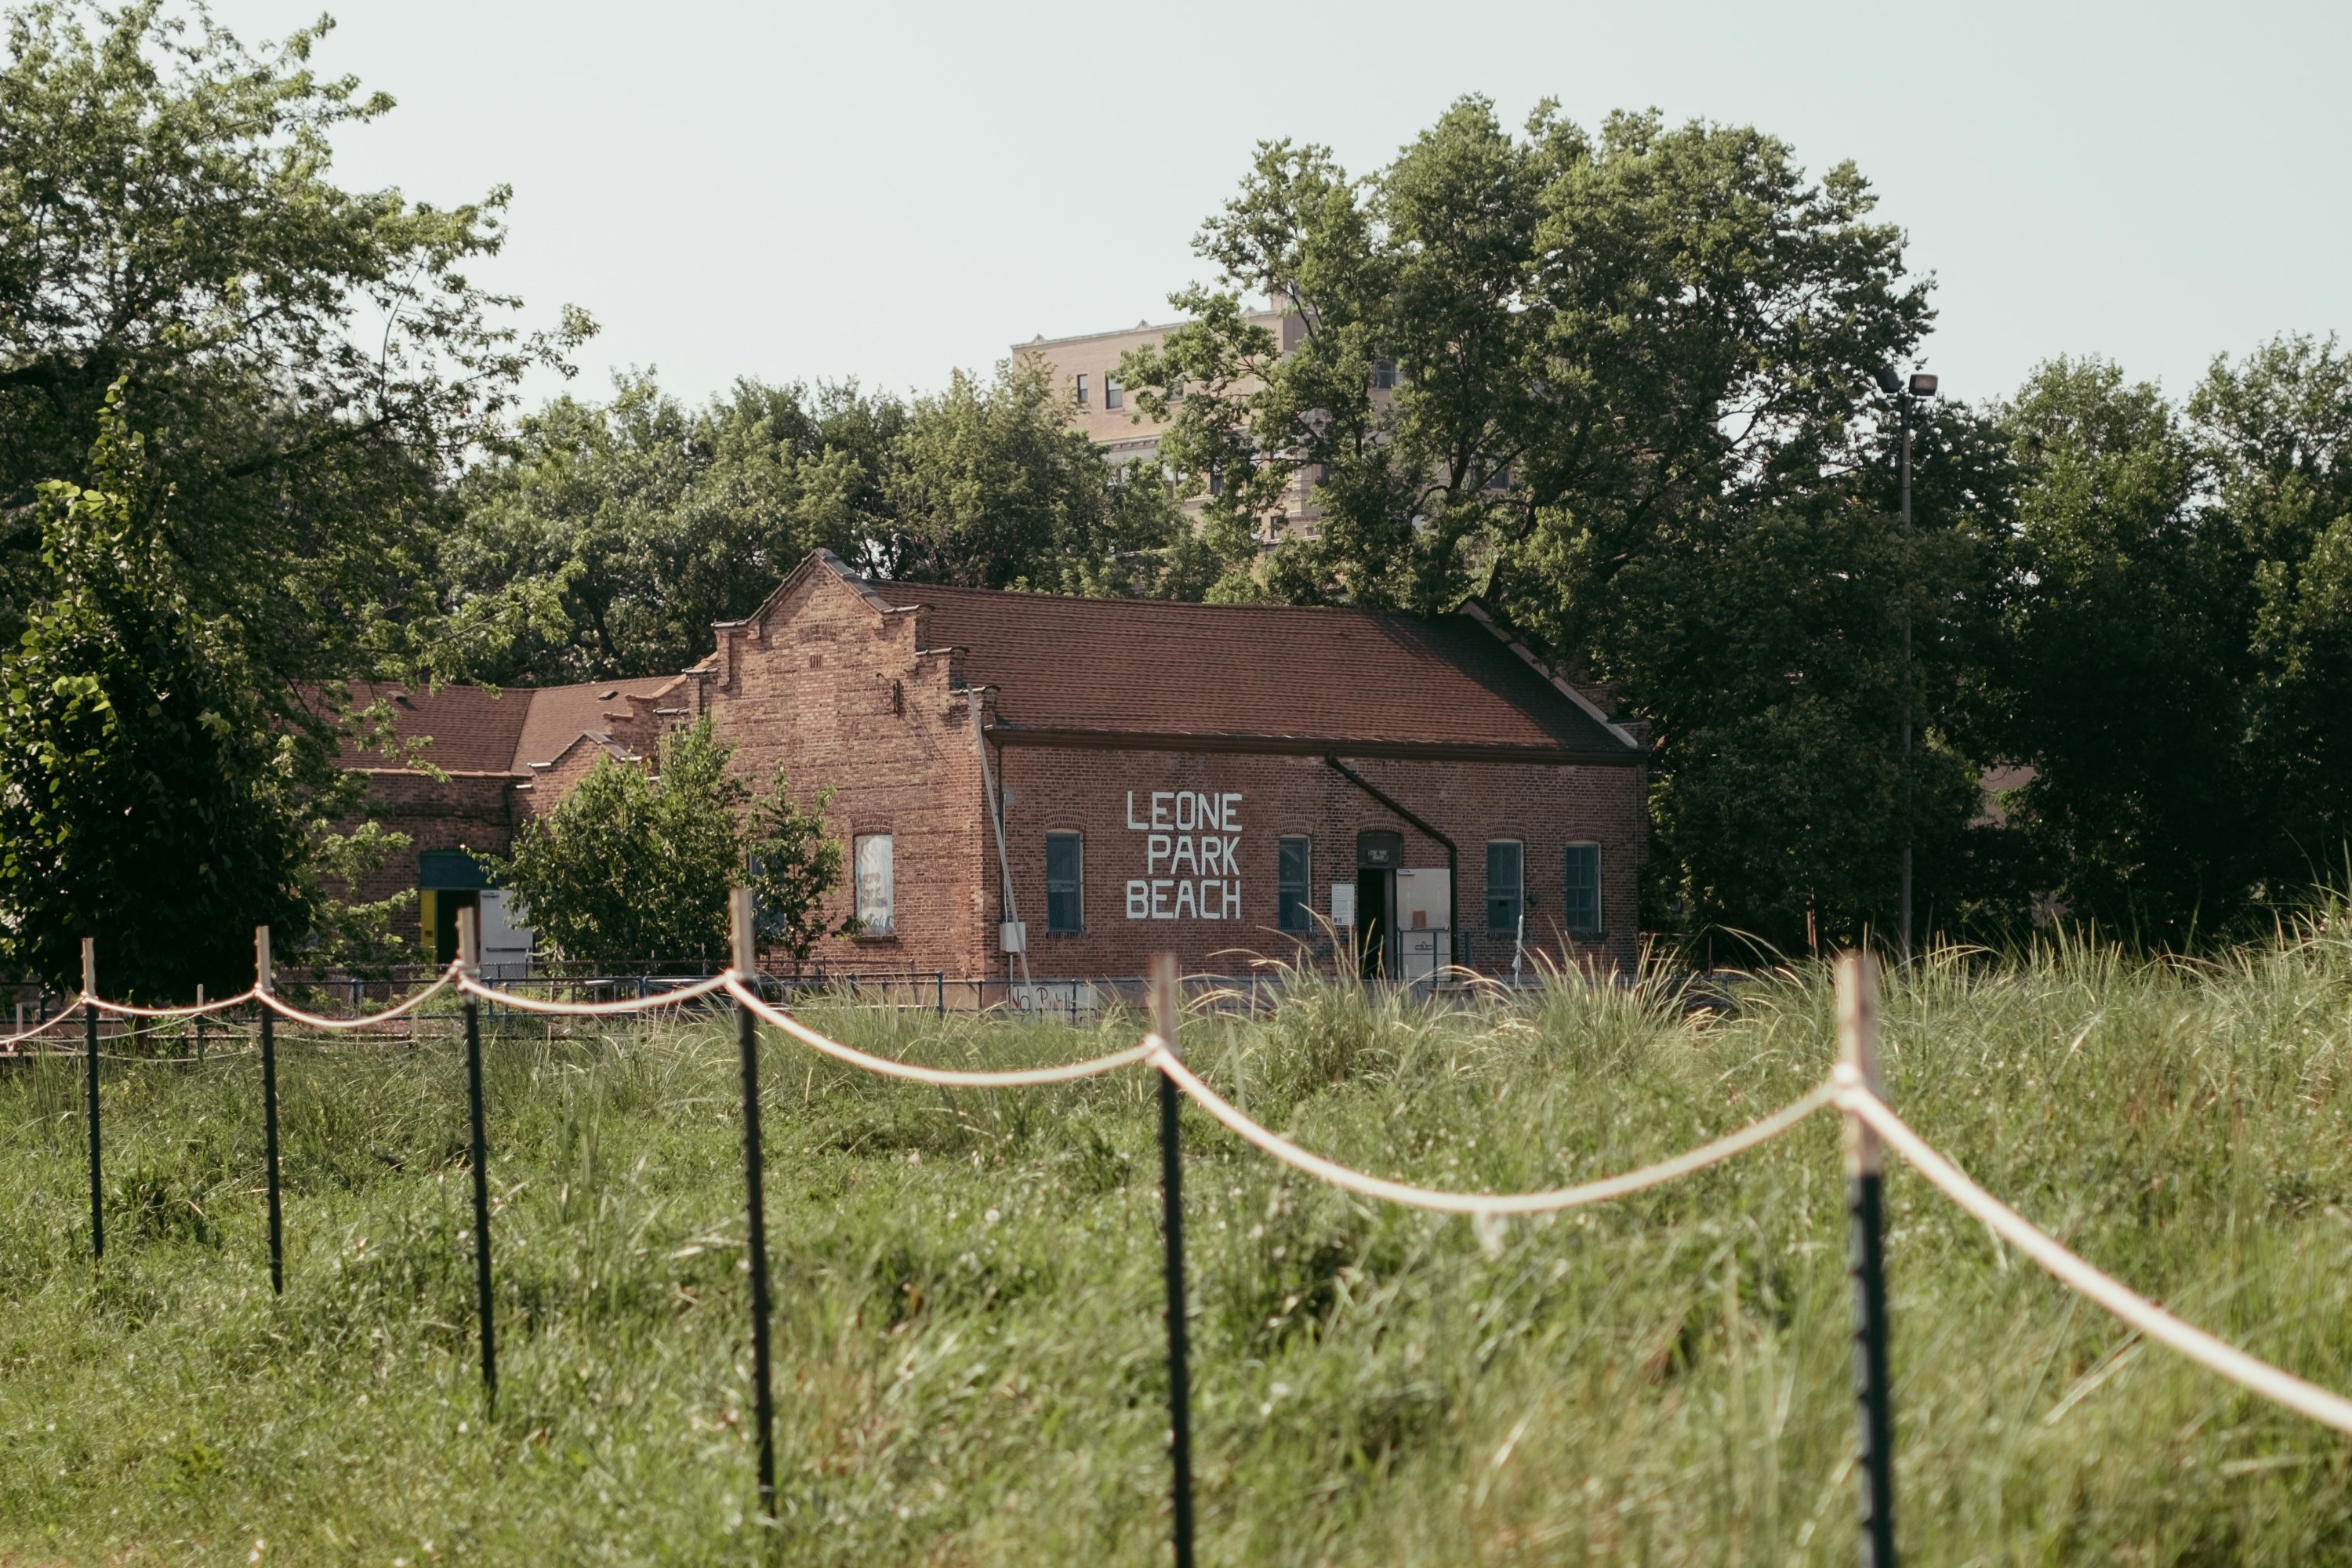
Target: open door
1375 922
1425 942
1379 852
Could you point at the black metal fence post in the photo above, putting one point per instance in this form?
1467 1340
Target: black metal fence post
1857 987
469 958
90 1056
1164 999
270 1109
755 1208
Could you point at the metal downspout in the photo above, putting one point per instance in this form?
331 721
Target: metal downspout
1003 861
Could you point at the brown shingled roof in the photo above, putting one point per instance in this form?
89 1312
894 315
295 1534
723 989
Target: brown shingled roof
475 731
1250 675
561 714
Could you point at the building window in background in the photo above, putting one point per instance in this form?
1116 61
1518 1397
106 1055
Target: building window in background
1082 391
1294 884
1064 883
1113 392
1384 375
875 895
1584 889
1506 886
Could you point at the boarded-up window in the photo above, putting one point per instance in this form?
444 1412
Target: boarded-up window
875 894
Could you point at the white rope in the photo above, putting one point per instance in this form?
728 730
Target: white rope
1016 1078
125 1009
2215 1356
284 1009
474 987
64 1015
1488 1204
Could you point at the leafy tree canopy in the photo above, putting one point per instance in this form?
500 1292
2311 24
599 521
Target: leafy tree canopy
232 394
2174 655
305 364
1619 385
605 539
145 799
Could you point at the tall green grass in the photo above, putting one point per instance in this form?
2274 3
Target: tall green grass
969 1340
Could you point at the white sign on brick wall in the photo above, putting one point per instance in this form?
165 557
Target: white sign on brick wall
1192 848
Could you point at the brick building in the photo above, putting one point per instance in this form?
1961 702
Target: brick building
1077 784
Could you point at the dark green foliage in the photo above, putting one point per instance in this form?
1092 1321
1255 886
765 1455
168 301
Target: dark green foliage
635 863
2174 655
145 799
604 540
231 393
989 488
1632 411
305 362
2276 429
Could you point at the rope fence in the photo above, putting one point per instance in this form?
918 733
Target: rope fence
1854 1089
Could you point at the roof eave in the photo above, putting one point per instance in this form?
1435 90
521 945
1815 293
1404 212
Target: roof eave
1230 743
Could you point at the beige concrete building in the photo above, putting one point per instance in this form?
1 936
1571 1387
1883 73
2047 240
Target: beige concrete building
1087 368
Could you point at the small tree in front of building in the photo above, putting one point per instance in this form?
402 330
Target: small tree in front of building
635 864
795 864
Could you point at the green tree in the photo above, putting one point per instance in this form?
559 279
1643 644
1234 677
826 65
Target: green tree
604 540
307 365
2276 430
637 863
989 486
1616 384
2121 671
2175 657
795 867
145 799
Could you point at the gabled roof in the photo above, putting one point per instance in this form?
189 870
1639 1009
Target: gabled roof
561 714
1257 677
476 730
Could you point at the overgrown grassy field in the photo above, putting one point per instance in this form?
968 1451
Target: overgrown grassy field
969 1291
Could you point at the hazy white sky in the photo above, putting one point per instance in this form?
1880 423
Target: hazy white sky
891 190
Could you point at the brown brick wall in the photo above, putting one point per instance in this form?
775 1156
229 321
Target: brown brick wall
1089 792
466 811
841 695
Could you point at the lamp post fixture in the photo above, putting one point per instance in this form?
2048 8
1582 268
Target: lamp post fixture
1905 394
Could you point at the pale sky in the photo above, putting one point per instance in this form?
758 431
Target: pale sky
889 190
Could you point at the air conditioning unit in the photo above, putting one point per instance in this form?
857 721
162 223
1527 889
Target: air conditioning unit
1016 935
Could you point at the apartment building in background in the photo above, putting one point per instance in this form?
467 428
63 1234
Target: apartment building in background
1086 370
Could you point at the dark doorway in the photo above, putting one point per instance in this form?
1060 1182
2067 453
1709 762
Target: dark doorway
1379 852
447 902
1375 918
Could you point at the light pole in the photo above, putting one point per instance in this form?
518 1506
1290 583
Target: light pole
1905 394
